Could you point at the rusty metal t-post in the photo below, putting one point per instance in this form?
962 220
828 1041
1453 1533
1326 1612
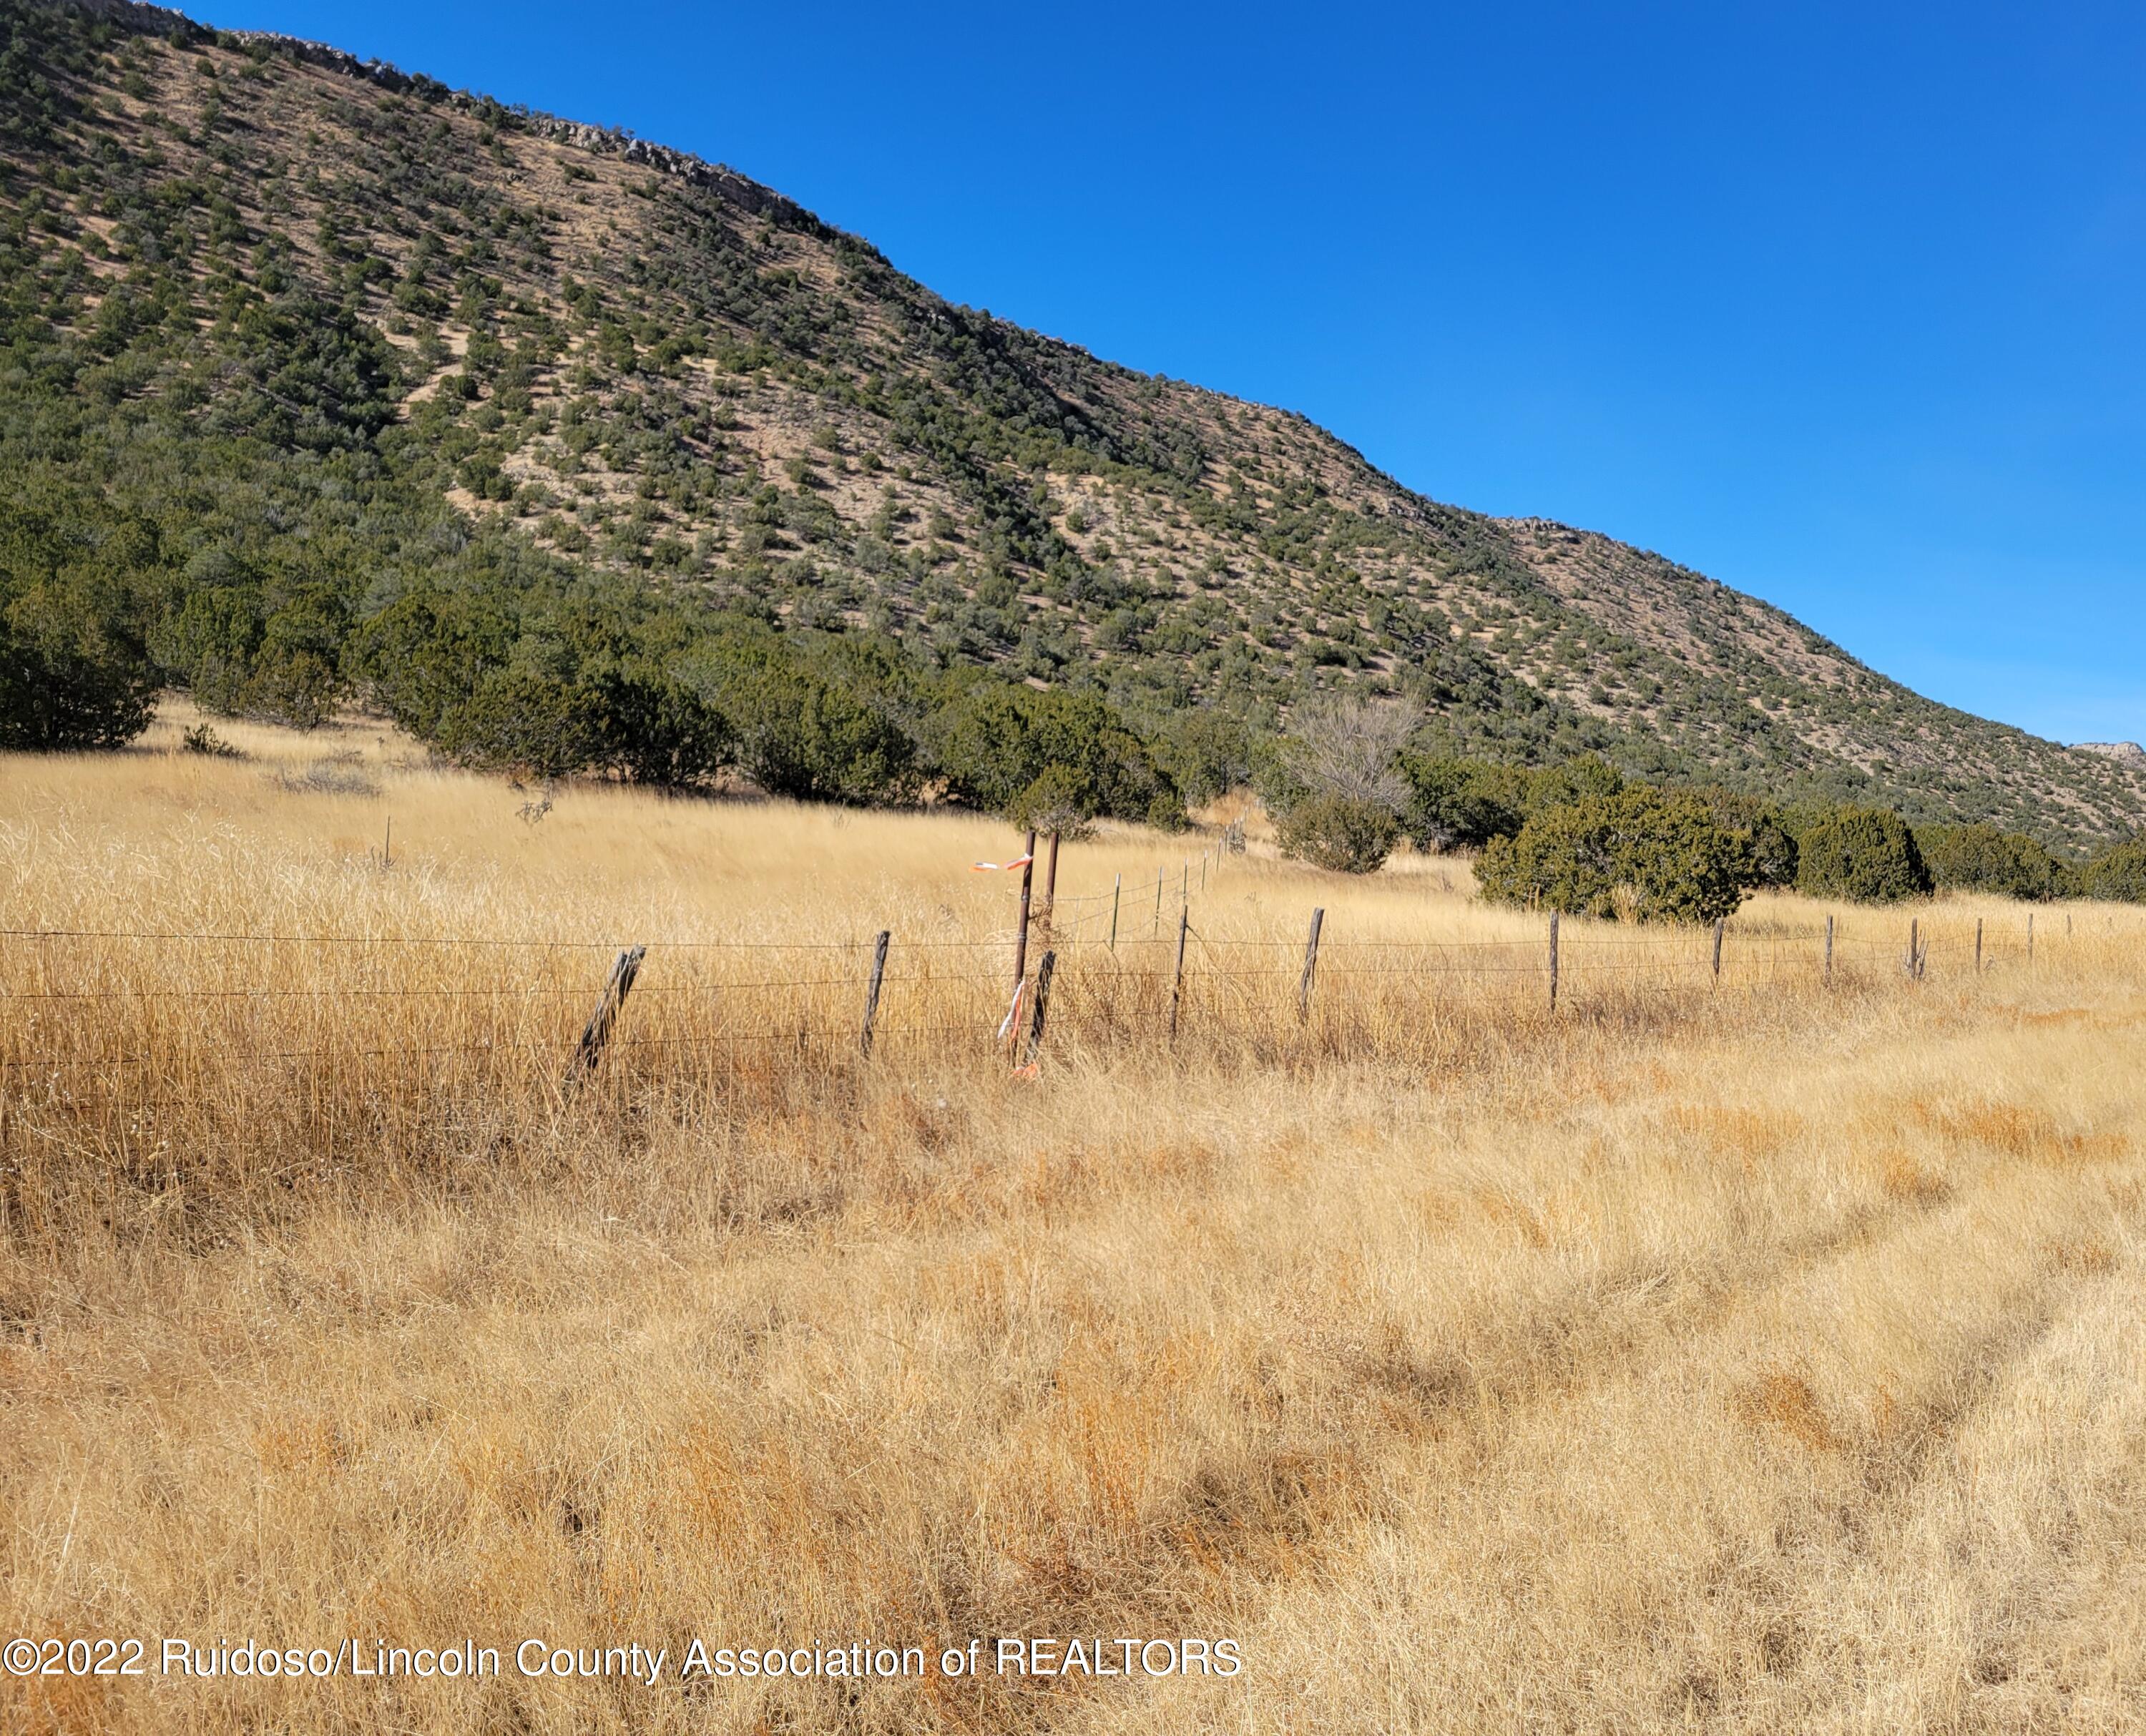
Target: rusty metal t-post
1020 939
1050 888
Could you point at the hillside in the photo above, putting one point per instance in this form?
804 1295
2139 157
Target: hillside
294 335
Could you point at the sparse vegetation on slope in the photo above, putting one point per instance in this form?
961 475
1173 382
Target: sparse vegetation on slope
294 351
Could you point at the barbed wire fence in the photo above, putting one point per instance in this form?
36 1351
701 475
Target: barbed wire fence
93 1013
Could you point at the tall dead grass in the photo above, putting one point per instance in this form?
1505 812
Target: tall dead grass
1743 1356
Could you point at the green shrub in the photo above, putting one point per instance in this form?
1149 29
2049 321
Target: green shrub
1063 800
1344 833
421 658
1984 858
74 670
995 740
1577 780
66 692
1768 828
529 724
517 720
1640 854
1456 804
1868 855
658 731
802 736
2118 873
1206 753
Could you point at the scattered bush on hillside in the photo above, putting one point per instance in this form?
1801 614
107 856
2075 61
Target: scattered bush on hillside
1343 833
2117 873
1641 855
1868 855
1984 858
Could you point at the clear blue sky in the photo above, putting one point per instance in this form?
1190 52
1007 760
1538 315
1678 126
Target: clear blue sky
1840 303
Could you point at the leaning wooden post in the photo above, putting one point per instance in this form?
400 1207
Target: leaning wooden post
1020 939
1117 891
1914 946
1553 960
1720 923
1311 966
1158 900
597 1031
1977 945
1177 983
1185 884
1829 946
871 994
1050 888
1045 967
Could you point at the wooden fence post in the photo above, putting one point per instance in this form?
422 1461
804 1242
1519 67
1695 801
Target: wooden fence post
1020 939
2030 939
1177 984
871 994
1720 923
1050 888
596 1032
1914 947
1117 891
1553 960
1158 901
1311 966
1829 946
1044 967
1977 945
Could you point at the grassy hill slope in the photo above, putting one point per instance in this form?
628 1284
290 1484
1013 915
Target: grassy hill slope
297 333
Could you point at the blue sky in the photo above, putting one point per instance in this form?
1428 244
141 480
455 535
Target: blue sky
1840 304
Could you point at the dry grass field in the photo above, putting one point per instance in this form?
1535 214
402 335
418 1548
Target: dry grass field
1761 1355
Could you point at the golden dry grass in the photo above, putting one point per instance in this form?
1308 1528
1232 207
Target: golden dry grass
1756 1358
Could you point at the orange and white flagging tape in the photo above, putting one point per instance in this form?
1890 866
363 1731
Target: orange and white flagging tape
999 867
